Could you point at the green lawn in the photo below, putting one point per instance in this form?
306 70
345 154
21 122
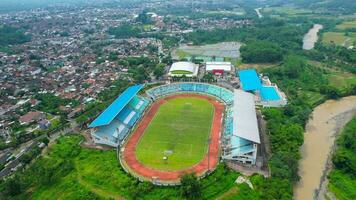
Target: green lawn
181 72
347 24
182 126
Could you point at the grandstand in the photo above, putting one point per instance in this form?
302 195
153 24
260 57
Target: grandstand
241 135
223 94
241 142
113 124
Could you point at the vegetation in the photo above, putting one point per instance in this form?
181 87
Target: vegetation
286 36
124 31
191 187
190 116
50 103
181 72
342 177
11 35
68 171
261 52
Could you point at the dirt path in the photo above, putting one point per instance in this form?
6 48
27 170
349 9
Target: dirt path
327 120
131 163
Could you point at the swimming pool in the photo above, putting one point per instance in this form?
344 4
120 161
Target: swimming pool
269 94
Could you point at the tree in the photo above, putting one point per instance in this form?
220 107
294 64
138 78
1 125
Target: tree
293 66
144 18
159 70
208 77
124 31
13 186
261 51
81 119
190 186
44 140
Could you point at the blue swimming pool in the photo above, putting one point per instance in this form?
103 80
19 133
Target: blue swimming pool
269 94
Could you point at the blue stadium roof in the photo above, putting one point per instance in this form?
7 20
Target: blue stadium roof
115 108
249 80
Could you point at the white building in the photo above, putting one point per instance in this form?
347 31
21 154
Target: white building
187 69
218 67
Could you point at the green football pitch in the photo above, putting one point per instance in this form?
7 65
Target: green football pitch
179 131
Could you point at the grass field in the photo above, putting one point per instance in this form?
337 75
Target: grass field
348 24
181 72
339 38
179 131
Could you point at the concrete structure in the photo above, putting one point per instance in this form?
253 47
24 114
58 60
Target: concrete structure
218 68
187 69
242 145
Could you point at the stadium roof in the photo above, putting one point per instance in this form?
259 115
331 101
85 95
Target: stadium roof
249 80
184 66
244 117
115 108
226 66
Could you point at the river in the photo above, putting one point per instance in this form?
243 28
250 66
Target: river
311 37
327 120
259 12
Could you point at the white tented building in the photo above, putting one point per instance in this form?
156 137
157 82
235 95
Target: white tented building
242 144
218 67
187 69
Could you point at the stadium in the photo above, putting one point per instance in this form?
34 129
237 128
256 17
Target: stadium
179 128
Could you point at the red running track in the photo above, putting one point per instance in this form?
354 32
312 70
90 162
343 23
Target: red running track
129 156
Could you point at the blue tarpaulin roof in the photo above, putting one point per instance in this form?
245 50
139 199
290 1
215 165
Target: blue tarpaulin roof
249 80
115 108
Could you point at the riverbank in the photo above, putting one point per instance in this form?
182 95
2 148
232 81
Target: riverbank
327 120
258 12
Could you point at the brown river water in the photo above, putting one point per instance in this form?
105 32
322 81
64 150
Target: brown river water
326 121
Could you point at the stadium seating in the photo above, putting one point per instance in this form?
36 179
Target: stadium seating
119 128
213 90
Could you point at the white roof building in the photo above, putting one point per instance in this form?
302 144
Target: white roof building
245 121
218 66
183 68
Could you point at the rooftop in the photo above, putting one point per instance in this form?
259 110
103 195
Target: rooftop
245 121
249 80
115 108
